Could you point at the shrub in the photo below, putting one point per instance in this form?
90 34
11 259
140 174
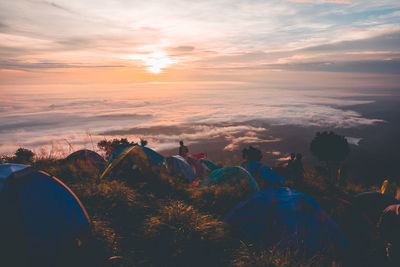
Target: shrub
112 146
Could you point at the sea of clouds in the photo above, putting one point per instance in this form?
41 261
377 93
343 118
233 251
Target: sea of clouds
60 123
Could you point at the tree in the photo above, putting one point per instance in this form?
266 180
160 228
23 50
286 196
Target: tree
330 148
112 146
143 142
23 155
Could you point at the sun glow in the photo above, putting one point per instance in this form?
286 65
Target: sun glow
155 62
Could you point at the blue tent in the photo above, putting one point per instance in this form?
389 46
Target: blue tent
41 217
177 165
231 175
288 219
87 157
261 171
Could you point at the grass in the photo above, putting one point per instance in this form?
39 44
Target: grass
163 221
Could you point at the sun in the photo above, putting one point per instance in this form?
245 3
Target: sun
155 62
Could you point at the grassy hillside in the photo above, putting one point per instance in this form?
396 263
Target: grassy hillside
162 221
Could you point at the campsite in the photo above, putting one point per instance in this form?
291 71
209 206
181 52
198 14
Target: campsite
209 133
143 209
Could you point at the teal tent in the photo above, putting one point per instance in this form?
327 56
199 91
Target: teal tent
231 175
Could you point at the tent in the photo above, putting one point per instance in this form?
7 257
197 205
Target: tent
87 157
136 159
208 164
178 166
371 205
231 175
357 229
389 228
197 167
41 218
263 172
288 219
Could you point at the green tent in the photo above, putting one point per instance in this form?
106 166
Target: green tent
231 175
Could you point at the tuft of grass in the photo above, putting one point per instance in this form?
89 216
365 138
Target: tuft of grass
249 255
183 236
219 199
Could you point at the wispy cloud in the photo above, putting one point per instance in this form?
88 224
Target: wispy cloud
338 2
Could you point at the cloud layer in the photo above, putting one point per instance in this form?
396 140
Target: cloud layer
242 118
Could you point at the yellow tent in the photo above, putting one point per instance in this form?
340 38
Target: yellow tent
135 158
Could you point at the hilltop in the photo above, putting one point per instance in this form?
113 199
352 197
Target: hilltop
163 221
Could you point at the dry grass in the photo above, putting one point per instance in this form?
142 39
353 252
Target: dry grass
160 220
219 199
250 255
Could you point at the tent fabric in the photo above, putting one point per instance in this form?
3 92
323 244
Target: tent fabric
155 158
199 156
178 166
116 153
355 227
44 216
288 219
88 157
389 229
197 167
389 224
208 164
259 170
7 169
136 158
231 175
372 204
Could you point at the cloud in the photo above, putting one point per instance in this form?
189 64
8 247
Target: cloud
183 48
366 66
247 138
50 65
387 41
58 6
353 140
338 2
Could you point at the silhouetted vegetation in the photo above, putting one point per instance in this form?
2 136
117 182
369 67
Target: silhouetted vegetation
331 149
114 145
251 154
21 156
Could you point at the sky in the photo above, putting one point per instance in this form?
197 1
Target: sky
282 42
72 71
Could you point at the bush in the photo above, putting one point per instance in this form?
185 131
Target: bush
110 147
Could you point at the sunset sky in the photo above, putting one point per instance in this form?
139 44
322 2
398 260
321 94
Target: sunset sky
282 43
72 69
